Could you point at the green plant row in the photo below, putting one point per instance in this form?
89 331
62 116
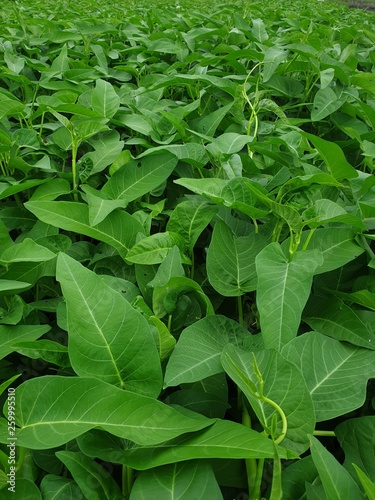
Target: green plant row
187 292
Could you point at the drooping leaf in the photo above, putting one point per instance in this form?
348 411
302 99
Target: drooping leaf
223 439
80 404
119 229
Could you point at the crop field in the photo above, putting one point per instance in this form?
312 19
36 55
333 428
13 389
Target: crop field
187 260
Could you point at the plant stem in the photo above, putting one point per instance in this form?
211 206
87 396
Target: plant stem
240 310
251 464
254 494
324 433
283 418
127 480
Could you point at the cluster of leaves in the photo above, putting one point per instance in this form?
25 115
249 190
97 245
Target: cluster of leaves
187 293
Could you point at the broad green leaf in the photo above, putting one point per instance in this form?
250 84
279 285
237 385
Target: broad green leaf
118 230
139 177
51 190
104 99
231 260
361 297
12 313
183 481
282 292
25 488
10 286
107 148
259 31
357 438
103 326
326 211
50 351
198 350
191 152
273 57
229 143
336 480
54 487
9 190
153 249
170 267
336 244
26 251
80 404
208 123
190 218
99 207
223 439
94 481
10 335
335 319
165 299
333 157
296 475
325 103
330 370
279 377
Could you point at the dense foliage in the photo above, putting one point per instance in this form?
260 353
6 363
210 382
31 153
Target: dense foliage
187 215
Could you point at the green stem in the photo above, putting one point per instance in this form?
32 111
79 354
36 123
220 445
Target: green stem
127 480
324 433
21 456
75 144
169 322
240 310
305 245
254 494
251 464
282 416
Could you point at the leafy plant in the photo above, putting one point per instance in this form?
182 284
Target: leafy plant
187 298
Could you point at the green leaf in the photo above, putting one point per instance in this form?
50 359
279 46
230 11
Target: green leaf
333 157
103 326
231 261
26 251
325 104
337 246
229 143
273 57
165 298
184 481
336 480
10 335
357 438
80 404
154 249
198 350
118 230
139 177
94 481
296 475
104 99
99 207
25 489
190 218
282 292
279 376
50 351
54 487
366 483
224 439
335 319
330 370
